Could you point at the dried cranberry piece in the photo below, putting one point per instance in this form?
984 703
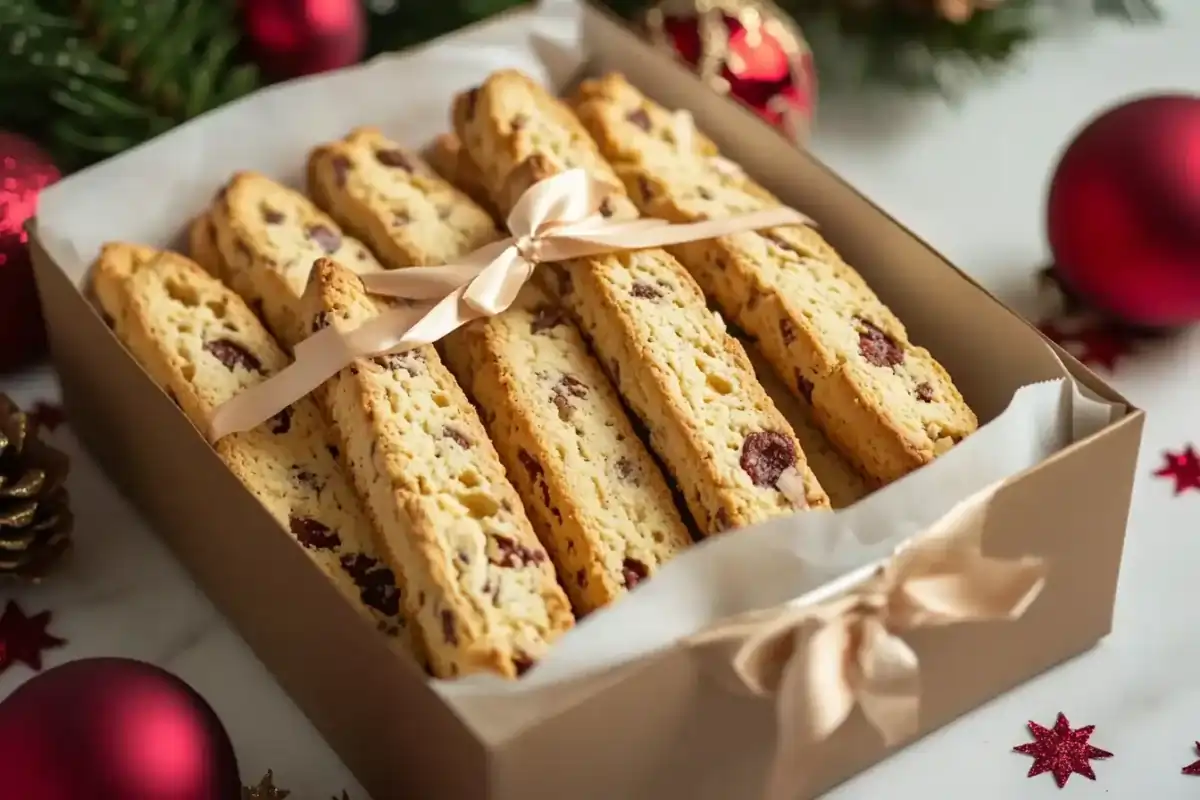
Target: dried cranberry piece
457 436
341 168
626 470
581 578
924 392
314 535
395 158
640 118
514 555
765 455
787 330
282 422
645 187
804 385
877 347
325 238
645 291
546 317
376 583
271 216
448 631
523 663
606 208
536 473
634 572
232 355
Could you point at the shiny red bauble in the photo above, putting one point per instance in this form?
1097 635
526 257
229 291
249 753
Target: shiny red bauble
748 49
112 728
290 38
1124 213
25 170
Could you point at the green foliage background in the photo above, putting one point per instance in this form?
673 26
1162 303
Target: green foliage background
90 78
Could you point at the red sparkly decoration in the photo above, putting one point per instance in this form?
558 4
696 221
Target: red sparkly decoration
291 38
748 49
1061 750
1092 342
24 638
24 172
1194 767
47 415
1123 212
1183 468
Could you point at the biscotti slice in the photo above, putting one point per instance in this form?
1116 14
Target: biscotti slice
481 588
395 202
450 159
596 497
269 236
886 403
201 344
202 246
689 381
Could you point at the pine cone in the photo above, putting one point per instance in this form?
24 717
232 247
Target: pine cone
35 515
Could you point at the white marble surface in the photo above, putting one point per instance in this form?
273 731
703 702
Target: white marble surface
971 180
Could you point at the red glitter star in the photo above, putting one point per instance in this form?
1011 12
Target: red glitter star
1183 467
48 415
1061 750
24 638
1094 344
1194 767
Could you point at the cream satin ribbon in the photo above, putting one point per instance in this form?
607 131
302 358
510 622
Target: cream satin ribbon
820 662
554 220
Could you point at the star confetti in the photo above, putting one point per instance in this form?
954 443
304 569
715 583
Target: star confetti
1061 751
1194 767
24 638
1183 468
265 790
1093 342
48 415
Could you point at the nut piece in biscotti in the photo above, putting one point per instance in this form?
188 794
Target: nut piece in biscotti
481 588
886 403
200 343
689 381
269 236
594 493
202 246
394 201
450 159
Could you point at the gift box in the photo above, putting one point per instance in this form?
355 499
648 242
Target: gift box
781 658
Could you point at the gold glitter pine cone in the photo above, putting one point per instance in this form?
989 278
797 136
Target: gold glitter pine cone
35 513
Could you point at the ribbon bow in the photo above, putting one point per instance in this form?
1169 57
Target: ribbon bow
821 662
554 220
683 131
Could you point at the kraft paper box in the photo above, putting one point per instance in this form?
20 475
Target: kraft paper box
622 707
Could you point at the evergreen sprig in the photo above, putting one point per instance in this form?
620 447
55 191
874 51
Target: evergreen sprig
90 79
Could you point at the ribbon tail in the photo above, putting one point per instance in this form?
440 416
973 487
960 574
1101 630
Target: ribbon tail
815 697
318 359
889 688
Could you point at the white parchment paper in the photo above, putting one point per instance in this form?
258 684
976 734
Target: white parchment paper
148 195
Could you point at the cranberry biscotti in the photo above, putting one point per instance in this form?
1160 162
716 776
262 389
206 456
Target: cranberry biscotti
689 381
597 500
202 345
884 402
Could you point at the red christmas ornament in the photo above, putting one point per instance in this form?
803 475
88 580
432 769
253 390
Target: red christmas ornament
1194 767
1061 751
1183 468
1093 342
1123 214
291 38
24 171
748 49
114 728
24 638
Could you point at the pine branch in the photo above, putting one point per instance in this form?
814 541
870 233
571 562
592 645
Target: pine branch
116 73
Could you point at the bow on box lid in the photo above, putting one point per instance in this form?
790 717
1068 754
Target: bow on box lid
554 220
821 661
